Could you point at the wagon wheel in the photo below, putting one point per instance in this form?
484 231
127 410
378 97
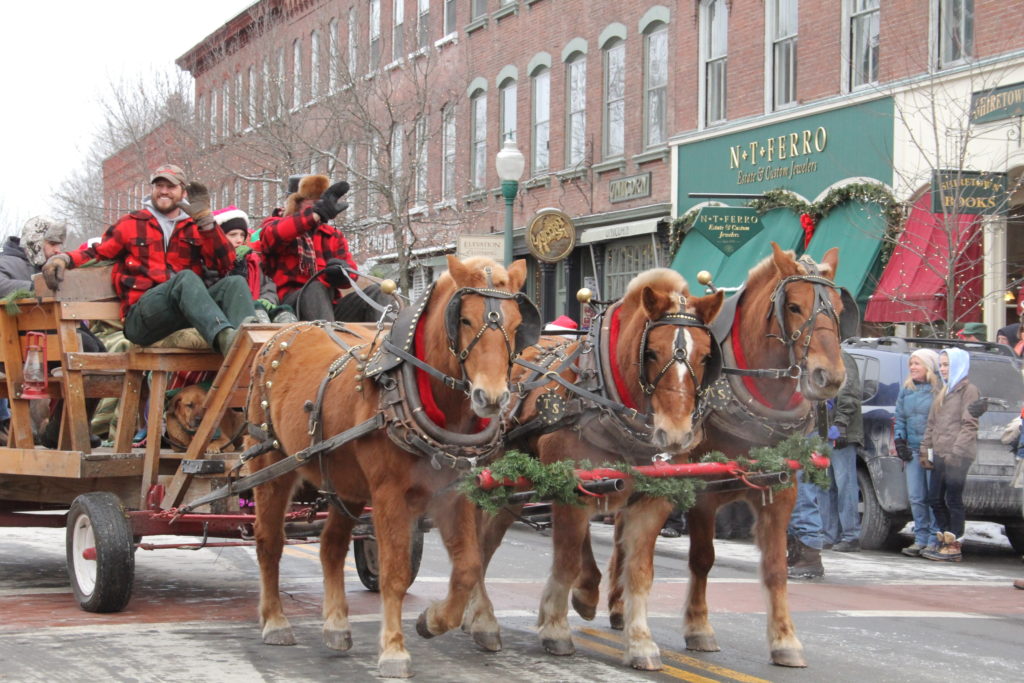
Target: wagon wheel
100 552
367 559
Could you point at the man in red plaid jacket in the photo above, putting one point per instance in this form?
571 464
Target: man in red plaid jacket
303 242
162 253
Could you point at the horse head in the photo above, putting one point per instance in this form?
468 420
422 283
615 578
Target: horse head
663 351
487 322
797 307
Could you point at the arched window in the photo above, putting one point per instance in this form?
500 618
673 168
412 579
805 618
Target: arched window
614 54
478 132
541 124
655 85
576 108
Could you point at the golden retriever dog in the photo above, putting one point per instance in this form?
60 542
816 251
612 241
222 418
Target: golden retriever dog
185 412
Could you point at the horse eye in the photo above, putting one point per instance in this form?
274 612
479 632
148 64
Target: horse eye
650 355
465 321
793 308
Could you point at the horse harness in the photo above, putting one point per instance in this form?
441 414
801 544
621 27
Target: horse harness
594 408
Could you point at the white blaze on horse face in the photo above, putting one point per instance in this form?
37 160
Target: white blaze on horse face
681 372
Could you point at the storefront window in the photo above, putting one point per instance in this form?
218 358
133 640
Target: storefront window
624 260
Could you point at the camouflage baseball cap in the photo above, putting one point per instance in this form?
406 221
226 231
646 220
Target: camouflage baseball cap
170 173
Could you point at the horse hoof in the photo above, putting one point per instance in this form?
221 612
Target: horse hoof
422 628
279 636
338 640
394 668
561 648
702 643
586 611
488 640
646 663
789 657
616 621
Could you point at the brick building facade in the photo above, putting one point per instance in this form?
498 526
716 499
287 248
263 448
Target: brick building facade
411 100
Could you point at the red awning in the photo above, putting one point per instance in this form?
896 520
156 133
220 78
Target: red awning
912 287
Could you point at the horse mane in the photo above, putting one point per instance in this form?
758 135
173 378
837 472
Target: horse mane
663 280
477 264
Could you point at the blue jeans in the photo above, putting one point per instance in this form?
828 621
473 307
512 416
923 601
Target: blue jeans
839 514
805 522
5 412
917 492
946 494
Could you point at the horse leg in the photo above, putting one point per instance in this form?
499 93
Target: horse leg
569 528
641 524
700 520
785 647
457 521
393 520
586 593
479 615
272 498
615 606
334 542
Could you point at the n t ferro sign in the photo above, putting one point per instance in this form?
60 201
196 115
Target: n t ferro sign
728 228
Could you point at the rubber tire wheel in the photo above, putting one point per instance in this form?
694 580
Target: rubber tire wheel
368 562
878 530
98 520
1015 533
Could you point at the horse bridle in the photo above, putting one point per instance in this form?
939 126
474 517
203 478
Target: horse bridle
822 306
713 363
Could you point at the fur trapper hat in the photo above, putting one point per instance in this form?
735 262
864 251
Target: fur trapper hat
310 187
37 230
232 218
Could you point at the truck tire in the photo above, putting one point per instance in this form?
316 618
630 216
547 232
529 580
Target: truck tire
100 552
1015 533
878 531
368 562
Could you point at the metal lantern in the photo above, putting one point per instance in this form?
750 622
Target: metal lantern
34 372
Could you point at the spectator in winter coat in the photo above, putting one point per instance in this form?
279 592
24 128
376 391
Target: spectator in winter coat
249 265
949 446
912 406
24 256
303 242
161 254
840 517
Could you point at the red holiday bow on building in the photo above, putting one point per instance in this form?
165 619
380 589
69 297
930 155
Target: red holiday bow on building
807 223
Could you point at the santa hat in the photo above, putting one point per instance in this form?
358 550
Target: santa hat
562 322
231 218
310 187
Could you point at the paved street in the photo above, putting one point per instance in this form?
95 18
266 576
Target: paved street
876 616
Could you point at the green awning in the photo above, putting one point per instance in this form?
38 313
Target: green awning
857 229
696 253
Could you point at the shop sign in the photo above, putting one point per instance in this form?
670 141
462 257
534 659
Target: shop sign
728 228
1000 103
968 192
633 187
551 235
489 246
618 231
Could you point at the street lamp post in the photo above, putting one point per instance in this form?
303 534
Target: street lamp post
510 164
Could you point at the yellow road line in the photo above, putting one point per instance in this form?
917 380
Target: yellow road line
671 671
684 659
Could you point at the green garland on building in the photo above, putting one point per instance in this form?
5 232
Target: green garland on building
892 210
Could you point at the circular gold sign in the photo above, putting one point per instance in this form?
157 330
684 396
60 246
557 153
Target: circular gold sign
551 236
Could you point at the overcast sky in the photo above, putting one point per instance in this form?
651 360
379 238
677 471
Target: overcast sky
59 57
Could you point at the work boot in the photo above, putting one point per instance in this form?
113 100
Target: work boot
948 551
847 546
792 550
285 316
808 566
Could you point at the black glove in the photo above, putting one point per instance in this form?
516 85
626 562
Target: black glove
198 206
335 273
841 441
903 450
978 408
53 270
330 205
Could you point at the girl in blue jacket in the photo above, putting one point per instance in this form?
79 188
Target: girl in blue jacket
912 406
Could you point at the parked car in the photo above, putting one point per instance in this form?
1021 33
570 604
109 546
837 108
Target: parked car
988 493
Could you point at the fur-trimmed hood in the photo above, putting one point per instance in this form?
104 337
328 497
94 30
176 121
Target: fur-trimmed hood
310 187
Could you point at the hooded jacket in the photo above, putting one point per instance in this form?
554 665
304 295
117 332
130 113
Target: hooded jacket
15 270
952 433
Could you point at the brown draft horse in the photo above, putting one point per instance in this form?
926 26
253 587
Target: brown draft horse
400 484
813 334
661 369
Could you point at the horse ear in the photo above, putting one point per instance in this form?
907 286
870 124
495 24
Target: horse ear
458 271
516 275
831 259
655 303
783 262
707 307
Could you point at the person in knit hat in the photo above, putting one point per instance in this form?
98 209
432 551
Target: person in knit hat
248 264
302 243
910 419
24 256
